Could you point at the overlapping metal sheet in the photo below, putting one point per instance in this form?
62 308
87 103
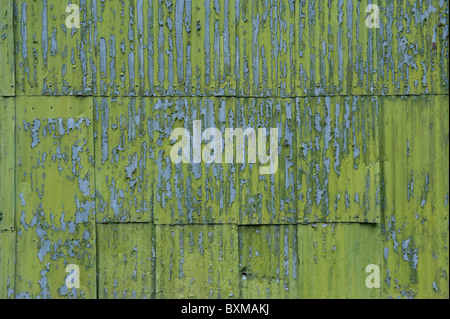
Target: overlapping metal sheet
7 263
333 259
54 184
415 196
7 72
197 261
268 261
126 260
51 59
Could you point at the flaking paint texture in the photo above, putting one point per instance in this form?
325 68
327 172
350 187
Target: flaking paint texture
126 261
415 197
363 145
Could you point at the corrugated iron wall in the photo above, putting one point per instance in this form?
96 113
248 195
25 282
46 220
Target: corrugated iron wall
86 175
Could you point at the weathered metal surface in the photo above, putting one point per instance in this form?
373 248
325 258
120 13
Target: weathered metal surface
412 45
51 59
7 151
333 260
162 48
337 159
415 148
7 263
55 215
126 264
268 198
192 192
7 200
197 261
7 84
361 176
259 48
268 261
265 42
335 52
124 168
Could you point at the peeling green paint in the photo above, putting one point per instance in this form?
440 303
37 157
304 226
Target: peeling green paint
268 259
7 74
333 260
415 196
124 170
363 142
55 215
197 261
126 260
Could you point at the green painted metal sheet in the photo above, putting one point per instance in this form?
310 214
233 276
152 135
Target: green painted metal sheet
267 198
7 151
55 215
126 260
51 59
337 159
265 42
412 45
415 196
333 260
7 263
194 192
335 53
124 169
197 261
7 85
114 32
7 201
268 261
162 48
